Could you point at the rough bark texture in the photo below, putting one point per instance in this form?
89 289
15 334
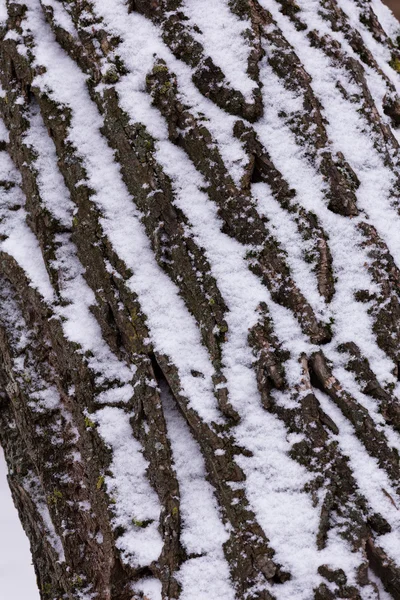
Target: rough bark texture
200 296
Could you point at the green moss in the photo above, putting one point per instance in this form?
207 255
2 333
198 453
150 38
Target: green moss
250 254
330 325
308 257
47 589
165 88
77 582
141 524
395 63
120 66
111 76
100 482
175 511
160 68
55 497
138 523
149 81
89 423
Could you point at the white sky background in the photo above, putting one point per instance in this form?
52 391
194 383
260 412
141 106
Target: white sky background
17 577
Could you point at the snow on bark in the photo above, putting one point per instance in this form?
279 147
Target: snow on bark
199 321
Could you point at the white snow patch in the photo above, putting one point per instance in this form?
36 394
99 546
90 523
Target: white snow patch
202 530
150 587
129 485
222 37
173 330
20 242
141 42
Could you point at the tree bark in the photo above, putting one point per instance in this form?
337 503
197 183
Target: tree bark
200 316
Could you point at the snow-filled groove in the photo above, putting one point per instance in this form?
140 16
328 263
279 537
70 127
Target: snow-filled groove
207 573
199 287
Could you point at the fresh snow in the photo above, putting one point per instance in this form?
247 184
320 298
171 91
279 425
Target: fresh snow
207 575
79 324
135 500
222 36
141 43
173 330
275 484
150 587
352 321
20 242
284 510
371 480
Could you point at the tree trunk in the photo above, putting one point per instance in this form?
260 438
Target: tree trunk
200 317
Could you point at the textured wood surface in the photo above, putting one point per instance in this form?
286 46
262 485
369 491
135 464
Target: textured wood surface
200 296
